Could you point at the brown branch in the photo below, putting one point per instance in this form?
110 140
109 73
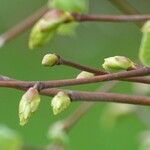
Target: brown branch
69 63
111 18
96 96
22 26
69 82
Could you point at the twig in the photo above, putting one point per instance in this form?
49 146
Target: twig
125 7
111 18
69 82
69 63
22 26
96 96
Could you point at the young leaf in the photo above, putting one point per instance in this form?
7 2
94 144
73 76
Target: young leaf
144 53
47 26
67 29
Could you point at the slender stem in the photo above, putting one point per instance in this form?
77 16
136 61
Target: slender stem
63 61
127 8
97 96
69 82
22 26
111 18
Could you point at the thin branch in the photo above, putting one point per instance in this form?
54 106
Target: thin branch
96 96
111 18
69 82
69 63
65 62
127 8
22 26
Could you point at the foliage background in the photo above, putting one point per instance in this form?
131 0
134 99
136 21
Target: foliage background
91 44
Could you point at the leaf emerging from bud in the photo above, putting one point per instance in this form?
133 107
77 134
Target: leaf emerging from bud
60 102
117 63
47 26
144 53
28 104
50 60
85 74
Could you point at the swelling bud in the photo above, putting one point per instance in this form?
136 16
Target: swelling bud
84 74
60 102
28 105
50 60
117 63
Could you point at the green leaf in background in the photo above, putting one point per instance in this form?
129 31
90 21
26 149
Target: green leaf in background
9 140
144 53
69 5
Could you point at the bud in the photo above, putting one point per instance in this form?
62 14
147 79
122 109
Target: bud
144 53
28 104
117 63
85 74
50 60
60 102
47 26
57 133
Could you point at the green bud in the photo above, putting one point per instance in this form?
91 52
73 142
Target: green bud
50 60
60 102
47 26
144 53
117 63
85 74
57 133
28 104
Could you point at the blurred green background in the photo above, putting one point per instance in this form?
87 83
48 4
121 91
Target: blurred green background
91 44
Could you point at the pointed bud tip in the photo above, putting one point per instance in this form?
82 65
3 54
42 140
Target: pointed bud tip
28 104
60 102
50 60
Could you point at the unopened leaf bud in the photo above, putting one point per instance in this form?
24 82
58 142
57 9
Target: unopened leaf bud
28 104
60 102
117 63
50 60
